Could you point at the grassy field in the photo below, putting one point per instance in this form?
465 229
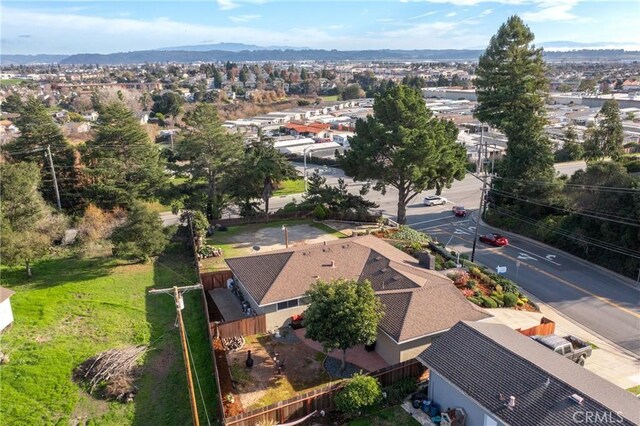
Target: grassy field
391 416
289 187
332 98
10 81
635 390
73 309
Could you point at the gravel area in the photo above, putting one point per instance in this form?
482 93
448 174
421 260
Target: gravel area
287 336
332 366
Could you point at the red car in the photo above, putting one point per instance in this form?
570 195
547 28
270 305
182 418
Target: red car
459 211
495 240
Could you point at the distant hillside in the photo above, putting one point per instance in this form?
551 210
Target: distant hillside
228 47
31 59
182 56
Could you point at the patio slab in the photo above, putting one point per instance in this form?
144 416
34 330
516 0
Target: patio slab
228 304
369 361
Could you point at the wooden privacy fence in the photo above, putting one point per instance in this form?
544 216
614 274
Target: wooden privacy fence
215 279
291 409
545 328
242 327
321 398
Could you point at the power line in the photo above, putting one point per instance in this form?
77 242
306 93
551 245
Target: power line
573 185
583 239
537 202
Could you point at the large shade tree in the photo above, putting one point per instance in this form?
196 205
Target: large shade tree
122 164
262 169
404 146
213 153
342 314
512 87
28 224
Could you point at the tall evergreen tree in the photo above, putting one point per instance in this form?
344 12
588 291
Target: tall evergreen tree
122 164
511 88
213 153
605 139
405 147
37 131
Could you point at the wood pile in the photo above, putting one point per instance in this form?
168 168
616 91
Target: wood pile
114 370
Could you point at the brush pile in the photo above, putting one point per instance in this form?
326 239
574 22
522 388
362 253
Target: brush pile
113 372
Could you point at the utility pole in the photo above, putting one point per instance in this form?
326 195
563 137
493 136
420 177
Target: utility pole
55 180
484 188
47 154
183 339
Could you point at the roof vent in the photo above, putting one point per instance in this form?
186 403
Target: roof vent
577 398
512 402
378 258
384 270
333 263
396 278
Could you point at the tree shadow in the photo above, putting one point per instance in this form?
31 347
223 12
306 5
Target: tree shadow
163 396
56 271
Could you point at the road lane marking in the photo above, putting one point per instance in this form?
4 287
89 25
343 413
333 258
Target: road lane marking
565 282
430 220
562 280
525 256
536 255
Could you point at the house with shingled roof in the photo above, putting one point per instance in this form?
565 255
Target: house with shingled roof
420 304
501 377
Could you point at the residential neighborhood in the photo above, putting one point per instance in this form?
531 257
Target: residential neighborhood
424 213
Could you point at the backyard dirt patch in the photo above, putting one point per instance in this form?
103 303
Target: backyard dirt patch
262 385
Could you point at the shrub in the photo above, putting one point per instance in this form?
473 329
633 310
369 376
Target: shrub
488 302
510 300
475 300
520 303
411 235
497 295
472 284
320 213
499 288
360 392
449 264
499 302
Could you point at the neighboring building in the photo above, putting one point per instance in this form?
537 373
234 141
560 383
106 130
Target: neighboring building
501 377
420 304
319 130
6 315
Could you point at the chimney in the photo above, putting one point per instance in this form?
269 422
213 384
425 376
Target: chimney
333 263
512 402
427 260
325 242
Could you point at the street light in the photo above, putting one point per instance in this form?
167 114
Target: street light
286 236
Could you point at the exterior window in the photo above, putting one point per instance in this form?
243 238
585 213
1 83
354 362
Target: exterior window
287 305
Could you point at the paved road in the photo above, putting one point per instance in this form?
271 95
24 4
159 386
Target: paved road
597 299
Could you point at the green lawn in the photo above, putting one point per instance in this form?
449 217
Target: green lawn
73 309
289 187
635 390
390 416
157 207
332 98
10 81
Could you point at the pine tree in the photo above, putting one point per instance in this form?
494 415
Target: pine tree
122 164
511 88
605 139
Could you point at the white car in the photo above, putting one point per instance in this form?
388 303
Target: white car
434 200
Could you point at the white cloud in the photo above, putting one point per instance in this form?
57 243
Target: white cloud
244 18
486 12
549 11
227 4
450 14
423 15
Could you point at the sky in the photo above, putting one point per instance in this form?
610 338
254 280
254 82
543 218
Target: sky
66 27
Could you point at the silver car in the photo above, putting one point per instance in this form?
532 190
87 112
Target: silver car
434 200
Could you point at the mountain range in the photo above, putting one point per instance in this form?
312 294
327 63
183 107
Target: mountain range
239 52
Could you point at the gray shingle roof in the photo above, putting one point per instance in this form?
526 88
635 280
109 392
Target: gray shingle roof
418 301
487 361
